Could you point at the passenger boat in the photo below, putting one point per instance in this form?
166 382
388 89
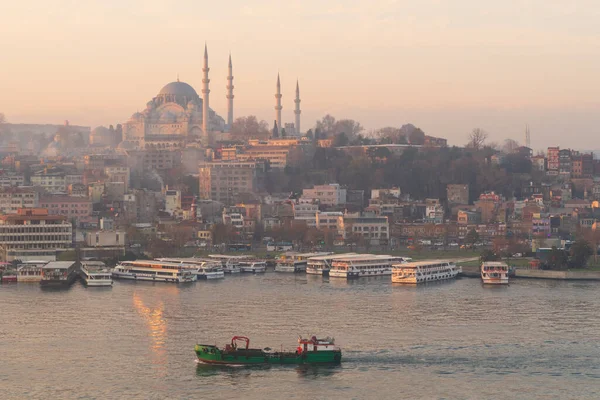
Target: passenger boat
360 265
154 271
59 274
30 271
322 264
96 274
309 351
423 271
494 273
205 269
253 267
295 262
8 275
230 264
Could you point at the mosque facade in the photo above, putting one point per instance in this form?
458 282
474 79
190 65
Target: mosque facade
178 116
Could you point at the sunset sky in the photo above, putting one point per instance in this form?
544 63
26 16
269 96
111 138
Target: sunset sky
445 66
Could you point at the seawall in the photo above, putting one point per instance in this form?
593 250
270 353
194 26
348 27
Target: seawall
562 275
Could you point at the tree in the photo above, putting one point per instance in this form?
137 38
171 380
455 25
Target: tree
488 255
472 237
417 137
309 134
283 134
249 127
275 131
340 139
326 125
510 146
350 127
557 259
580 252
477 138
2 118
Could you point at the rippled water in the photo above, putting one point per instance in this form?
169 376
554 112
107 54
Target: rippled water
533 339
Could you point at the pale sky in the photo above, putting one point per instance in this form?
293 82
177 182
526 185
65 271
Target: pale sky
445 66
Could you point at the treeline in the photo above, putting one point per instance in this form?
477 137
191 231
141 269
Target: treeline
424 172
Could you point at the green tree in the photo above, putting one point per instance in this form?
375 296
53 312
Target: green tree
580 252
472 237
488 255
557 259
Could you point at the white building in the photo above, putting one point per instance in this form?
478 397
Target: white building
11 180
32 234
375 229
11 199
105 239
306 212
331 194
172 201
332 221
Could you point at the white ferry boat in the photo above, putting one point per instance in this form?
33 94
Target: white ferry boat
423 271
230 264
155 271
322 264
494 272
96 274
360 265
254 267
295 262
30 271
205 269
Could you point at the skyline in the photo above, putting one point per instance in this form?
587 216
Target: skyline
493 66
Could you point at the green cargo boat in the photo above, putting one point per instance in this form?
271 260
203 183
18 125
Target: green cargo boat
309 351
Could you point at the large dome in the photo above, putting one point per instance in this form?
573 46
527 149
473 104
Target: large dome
179 89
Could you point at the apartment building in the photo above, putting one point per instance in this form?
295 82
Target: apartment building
375 229
72 207
332 194
224 181
13 198
33 234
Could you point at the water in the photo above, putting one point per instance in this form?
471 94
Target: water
453 340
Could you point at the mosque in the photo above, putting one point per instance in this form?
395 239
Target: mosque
178 116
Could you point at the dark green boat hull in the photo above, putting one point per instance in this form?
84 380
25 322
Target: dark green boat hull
210 354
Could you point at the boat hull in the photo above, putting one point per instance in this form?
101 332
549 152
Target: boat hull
413 280
148 278
495 281
59 282
210 354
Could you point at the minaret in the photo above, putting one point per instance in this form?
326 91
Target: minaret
230 95
278 106
205 93
297 110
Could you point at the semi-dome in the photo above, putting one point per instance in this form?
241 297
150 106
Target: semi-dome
179 89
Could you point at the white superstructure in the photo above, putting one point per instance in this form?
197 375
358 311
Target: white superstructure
204 269
321 265
230 264
360 265
254 267
155 271
30 271
295 262
95 273
494 272
423 271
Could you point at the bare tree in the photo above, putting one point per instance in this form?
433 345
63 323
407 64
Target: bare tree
249 127
477 138
2 118
326 125
510 146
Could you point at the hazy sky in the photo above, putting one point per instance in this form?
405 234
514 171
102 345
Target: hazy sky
446 66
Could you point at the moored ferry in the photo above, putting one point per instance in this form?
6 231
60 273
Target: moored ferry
321 265
59 273
95 274
253 267
205 269
154 271
309 351
295 262
230 264
494 273
360 265
423 271
30 271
